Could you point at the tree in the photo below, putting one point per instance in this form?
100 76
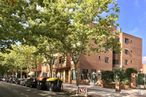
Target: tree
37 59
19 58
27 20
13 61
91 27
3 68
48 48
81 26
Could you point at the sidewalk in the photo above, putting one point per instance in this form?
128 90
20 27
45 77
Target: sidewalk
104 92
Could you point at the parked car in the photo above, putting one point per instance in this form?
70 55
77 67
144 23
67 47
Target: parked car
54 84
23 81
13 80
30 82
41 83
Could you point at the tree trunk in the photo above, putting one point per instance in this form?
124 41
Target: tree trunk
50 70
36 72
77 80
21 72
77 83
36 67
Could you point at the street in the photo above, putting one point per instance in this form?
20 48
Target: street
13 90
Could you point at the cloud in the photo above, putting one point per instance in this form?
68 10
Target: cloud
144 60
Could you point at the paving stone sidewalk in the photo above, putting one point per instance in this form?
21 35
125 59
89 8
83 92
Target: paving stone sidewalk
96 91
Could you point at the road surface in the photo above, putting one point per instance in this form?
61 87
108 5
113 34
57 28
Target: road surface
13 90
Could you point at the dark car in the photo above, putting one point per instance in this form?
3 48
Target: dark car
41 83
54 84
31 82
23 81
13 80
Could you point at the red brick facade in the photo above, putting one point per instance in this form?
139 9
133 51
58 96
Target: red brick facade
130 56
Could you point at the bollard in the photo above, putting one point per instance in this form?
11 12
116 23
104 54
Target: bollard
117 87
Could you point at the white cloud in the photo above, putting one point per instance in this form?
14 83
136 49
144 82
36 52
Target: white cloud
144 60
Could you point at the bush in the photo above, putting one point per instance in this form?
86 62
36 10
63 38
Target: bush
119 74
129 71
140 79
107 76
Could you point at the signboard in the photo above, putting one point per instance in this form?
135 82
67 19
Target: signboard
83 90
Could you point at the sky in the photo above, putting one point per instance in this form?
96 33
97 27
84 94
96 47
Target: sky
132 20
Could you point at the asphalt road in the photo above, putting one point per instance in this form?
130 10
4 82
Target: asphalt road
13 90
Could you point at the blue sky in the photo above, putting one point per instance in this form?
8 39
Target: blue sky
132 19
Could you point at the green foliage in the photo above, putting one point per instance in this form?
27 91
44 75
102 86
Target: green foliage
62 26
19 57
126 81
119 74
108 76
124 76
65 20
48 48
140 79
129 71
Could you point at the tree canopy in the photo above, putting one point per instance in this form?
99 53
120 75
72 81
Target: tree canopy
70 26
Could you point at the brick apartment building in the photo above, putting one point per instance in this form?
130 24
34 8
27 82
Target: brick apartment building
130 57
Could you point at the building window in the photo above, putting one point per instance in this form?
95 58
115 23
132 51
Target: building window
126 40
99 57
84 74
106 59
61 60
116 61
126 51
126 62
